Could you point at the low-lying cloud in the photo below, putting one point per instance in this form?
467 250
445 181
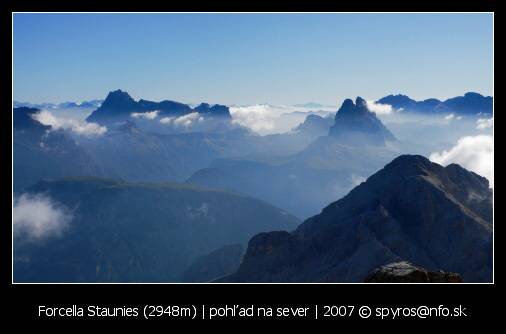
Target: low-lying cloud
452 117
267 119
147 115
79 127
38 217
484 123
379 108
475 153
185 120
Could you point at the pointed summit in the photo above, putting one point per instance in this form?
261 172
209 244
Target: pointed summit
117 104
360 103
354 122
217 110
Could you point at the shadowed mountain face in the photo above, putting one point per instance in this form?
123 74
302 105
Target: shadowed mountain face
355 123
414 210
470 103
119 105
314 124
214 265
130 232
39 151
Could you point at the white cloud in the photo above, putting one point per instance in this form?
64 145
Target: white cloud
267 119
452 116
185 120
147 115
379 109
259 118
37 217
475 153
484 123
79 127
188 119
166 120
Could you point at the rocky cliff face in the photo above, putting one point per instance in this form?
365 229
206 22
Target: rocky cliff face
413 209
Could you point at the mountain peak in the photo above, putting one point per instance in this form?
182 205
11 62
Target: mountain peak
347 106
356 122
216 110
411 210
360 102
411 164
118 98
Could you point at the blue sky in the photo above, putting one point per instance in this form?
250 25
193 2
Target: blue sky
251 58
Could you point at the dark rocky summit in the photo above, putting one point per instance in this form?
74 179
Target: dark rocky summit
405 272
119 105
216 110
355 122
413 210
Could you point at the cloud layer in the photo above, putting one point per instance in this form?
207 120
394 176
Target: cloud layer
484 123
185 120
475 153
79 127
379 109
38 217
268 119
147 115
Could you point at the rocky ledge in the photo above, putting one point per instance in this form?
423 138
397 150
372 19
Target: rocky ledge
405 272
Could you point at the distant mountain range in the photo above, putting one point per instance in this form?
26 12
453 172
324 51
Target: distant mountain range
64 105
120 103
118 106
140 232
411 210
470 103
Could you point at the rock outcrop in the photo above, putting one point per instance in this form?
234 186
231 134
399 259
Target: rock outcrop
405 272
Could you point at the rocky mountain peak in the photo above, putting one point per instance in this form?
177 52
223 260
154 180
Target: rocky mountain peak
355 123
411 210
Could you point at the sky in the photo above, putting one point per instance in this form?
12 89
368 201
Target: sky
241 59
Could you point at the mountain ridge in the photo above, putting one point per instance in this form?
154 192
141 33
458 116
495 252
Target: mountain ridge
411 210
118 106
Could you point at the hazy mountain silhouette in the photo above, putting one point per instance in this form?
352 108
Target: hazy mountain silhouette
131 232
39 151
470 103
302 183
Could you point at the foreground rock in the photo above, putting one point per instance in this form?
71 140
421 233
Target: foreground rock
405 272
